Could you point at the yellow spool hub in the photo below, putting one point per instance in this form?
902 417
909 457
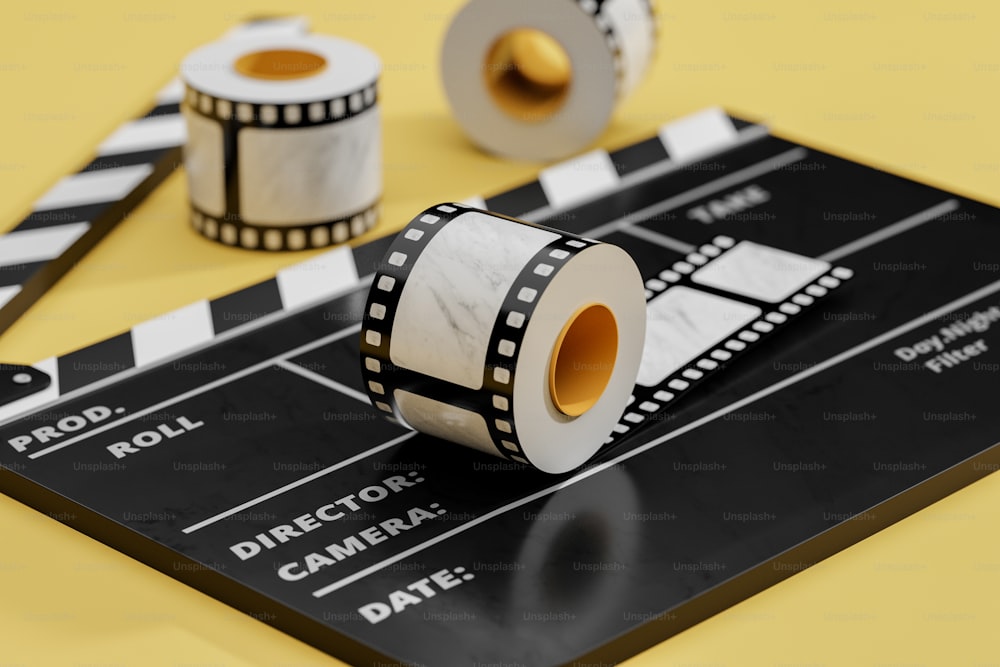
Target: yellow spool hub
280 64
583 359
528 74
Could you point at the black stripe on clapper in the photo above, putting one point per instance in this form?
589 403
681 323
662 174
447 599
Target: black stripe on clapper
163 110
96 362
639 155
55 217
518 201
18 274
117 160
248 304
741 124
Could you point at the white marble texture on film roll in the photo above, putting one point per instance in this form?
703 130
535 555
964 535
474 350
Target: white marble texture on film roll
444 420
203 161
506 337
760 272
683 324
452 297
609 47
631 19
326 172
284 146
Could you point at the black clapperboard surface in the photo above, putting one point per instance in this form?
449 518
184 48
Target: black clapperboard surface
231 445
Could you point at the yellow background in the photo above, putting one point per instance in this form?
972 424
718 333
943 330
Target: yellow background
911 86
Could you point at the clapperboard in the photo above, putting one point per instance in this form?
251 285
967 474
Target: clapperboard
231 445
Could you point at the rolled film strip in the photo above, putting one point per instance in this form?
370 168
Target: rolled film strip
284 145
714 305
539 79
82 208
517 340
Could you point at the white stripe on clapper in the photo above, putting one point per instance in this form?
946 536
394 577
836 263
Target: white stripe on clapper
318 278
171 333
8 293
573 181
691 137
94 187
146 134
37 245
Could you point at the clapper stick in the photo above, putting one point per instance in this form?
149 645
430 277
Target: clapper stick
76 213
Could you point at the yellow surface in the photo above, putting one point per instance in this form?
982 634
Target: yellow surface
912 86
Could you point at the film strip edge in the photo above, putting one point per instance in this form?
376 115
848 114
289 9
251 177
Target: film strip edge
650 403
612 21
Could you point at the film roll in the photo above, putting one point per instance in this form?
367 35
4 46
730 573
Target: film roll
518 340
284 140
539 79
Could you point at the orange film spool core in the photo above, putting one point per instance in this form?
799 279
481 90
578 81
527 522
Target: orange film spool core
280 64
528 74
583 359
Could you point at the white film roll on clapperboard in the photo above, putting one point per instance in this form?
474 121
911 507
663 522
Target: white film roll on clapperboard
284 140
539 79
518 340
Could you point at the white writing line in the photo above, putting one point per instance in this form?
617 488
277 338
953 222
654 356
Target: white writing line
323 380
297 483
660 239
200 390
895 228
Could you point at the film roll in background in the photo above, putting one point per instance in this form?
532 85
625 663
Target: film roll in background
518 340
284 140
539 79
